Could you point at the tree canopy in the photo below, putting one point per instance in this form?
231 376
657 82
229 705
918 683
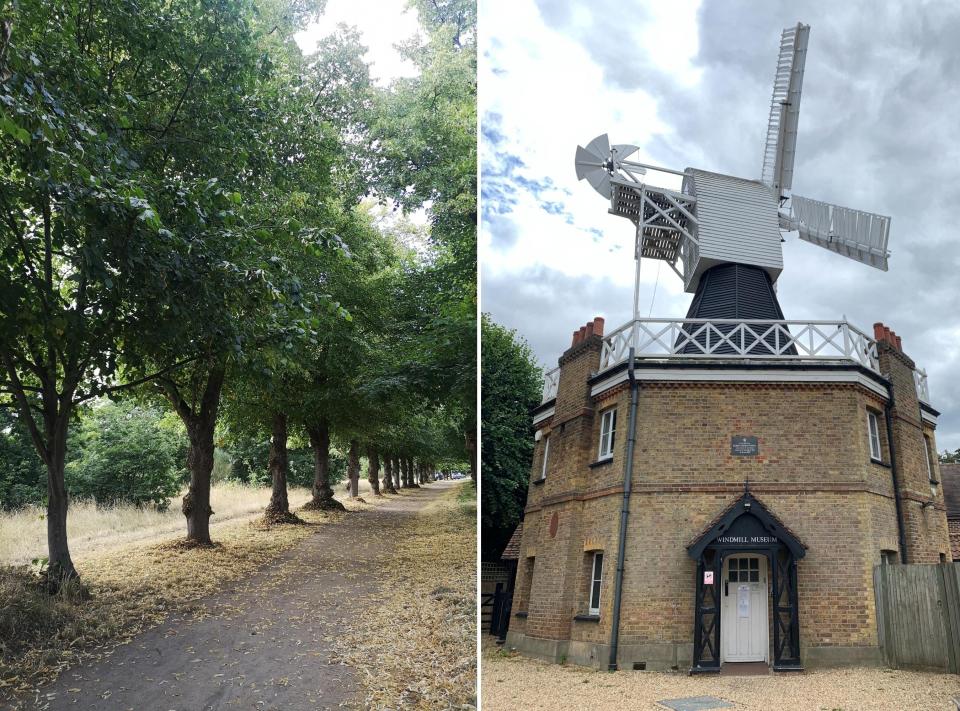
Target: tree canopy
188 217
511 388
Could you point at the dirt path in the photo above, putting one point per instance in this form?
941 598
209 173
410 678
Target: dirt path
263 644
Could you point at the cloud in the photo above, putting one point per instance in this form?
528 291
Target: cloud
690 84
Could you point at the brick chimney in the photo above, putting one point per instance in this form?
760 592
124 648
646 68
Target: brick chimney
911 447
577 364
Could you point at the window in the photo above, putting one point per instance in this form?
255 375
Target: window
595 579
889 558
546 455
527 582
874 436
744 570
608 431
928 450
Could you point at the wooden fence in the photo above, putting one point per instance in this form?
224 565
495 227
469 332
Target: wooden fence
918 615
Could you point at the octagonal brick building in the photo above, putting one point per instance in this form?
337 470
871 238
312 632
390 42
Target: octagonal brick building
765 484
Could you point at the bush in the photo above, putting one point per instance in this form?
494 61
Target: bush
23 478
127 453
223 466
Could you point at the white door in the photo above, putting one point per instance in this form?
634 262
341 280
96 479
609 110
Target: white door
743 609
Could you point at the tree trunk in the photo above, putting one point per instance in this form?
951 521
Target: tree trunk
60 568
278 510
388 475
471 442
410 475
397 474
373 469
196 503
353 468
200 423
322 493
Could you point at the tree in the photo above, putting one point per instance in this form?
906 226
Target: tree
80 241
425 133
511 388
950 457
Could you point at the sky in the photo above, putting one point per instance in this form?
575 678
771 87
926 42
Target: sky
391 24
690 84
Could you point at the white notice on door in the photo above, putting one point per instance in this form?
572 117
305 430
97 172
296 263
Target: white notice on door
743 601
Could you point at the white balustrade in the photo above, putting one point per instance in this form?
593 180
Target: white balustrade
923 388
738 339
551 379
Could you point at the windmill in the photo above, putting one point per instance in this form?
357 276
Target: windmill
720 233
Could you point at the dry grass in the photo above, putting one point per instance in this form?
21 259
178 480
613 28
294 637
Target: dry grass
23 533
133 585
415 643
514 682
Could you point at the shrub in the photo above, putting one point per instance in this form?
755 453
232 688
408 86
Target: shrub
23 478
126 454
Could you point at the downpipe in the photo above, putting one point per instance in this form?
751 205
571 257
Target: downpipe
624 510
898 503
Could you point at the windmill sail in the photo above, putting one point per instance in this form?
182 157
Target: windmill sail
856 234
781 142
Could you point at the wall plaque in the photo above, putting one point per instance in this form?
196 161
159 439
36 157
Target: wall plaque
744 446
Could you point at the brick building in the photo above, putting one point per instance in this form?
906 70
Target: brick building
768 477
950 475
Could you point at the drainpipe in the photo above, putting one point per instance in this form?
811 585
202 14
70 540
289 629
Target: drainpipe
624 510
888 419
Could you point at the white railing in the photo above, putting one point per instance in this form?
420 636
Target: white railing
551 379
923 388
739 338
662 338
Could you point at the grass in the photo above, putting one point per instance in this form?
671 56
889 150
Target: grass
23 533
133 582
467 498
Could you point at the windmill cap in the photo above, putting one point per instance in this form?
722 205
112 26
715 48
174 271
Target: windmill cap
592 328
883 334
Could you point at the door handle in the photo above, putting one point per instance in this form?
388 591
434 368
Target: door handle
726 588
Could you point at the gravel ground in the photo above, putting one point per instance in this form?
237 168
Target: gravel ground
520 683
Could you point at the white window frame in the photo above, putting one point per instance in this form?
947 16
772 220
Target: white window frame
608 433
546 455
595 578
873 434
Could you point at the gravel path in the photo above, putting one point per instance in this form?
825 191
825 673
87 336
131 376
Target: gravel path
266 643
517 683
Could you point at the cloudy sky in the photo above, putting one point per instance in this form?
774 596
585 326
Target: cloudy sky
690 84
391 24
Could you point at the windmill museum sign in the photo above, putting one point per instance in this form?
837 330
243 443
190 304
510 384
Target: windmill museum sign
648 435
